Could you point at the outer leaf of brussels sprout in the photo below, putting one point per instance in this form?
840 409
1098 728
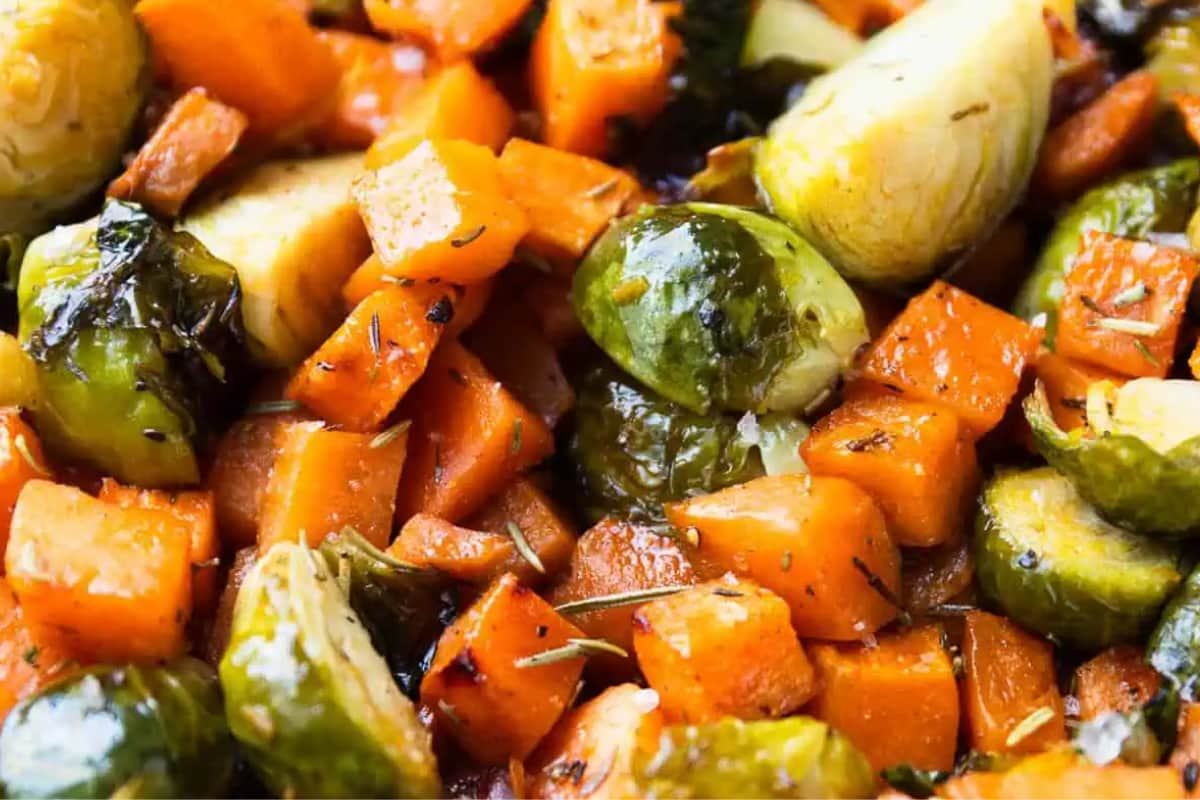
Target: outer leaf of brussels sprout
404 608
312 703
717 307
1173 57
909 154
137 731
137 334
1127 480
1133 205
794 757
1174 647
633 451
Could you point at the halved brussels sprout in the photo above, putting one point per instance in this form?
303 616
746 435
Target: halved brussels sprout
794 757
404 608
719 308
1174 647
137 335
120 731
632 451
1157 200
799 32
1173 58
312 703
1138 462
912 152
72 78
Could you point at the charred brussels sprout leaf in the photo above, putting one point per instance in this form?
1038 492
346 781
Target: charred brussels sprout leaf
1157 200
404 608
311 702
909 154
633 451
794 757
1174 647
1044 557
130 731
1137 462
137 334
719 308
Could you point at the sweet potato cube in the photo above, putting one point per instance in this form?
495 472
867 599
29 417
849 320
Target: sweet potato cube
911 457
441 212
1123 305
1118 679
897 701
723 648
218 633
819 543
21 461
1186 753
455 103
455 28
113 583
495 706
325 480
29 658
1067 382
1064 774
465 554
597 59
1009 678
543 525
358 377
949 348
469 438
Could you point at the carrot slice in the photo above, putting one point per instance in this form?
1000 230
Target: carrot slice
114 583
21 461
194 137
29 659
1123 304
1066 383
1116 680
455 28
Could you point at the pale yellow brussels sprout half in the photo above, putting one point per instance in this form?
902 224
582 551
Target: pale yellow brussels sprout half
908 154
72 75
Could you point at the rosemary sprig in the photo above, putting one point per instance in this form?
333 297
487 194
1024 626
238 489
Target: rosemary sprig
1029 726
574 648
618 600
522 545
273 407
389 435
23 448
1135 327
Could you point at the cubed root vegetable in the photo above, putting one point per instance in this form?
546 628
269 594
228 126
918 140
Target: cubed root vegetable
21 461
465 554
1010 694
326 480
114 583
469 438
259 56
455 28
1067 383
540 521
195 136
360 374
1185 757
454 103
29 658
222 623
584 74
1099 138
600 735
949 348
1116 680
724 648
819 543
911 457
1123 304
1065 775
937 575
196 512
897 702
441 212
493 704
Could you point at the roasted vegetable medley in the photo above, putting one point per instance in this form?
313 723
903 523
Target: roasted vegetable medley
600 398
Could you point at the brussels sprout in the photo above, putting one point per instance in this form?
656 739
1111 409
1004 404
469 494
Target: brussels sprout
74 73
796 31
1174 647
1136 462
1133 205
719 308
130 731
137 334
1114 735
910 153
312 703
633 451
404 608
794 757
1047 559
1173 58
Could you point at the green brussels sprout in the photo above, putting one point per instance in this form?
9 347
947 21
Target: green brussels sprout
74 74
794 757
311 702
404 608
798 32
719 308
1044 557
1173 58
1174 646
137 335
128 731
912 152
633 451
1136 462
1157 200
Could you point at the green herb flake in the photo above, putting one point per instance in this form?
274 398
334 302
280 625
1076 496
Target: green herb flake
630 291
517 429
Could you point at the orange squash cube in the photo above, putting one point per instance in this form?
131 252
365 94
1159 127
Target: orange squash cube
1067 383
455 28
1118 679
1187 748
29 659
542 523
21 461
495 706
1064 774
